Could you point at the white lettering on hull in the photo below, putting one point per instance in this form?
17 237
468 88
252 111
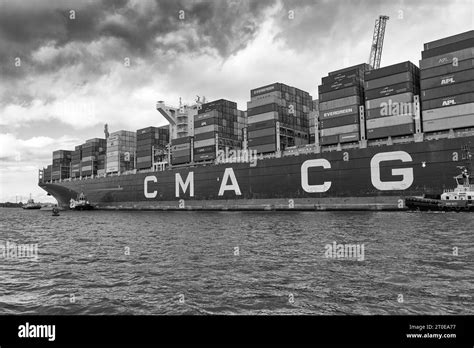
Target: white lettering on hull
184 185
320 162
145 186
234 186
407 173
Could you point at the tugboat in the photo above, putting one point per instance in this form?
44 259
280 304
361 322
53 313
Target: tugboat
31 204
81 203
459 199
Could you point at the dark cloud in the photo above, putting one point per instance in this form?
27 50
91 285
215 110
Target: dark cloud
225 26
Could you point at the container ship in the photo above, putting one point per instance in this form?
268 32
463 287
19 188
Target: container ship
372 137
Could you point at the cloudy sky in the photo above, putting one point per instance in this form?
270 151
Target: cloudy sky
68 67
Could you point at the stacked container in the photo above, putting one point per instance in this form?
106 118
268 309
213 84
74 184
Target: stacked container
447 83
390 100
121 148
218 125
181 150
149 139
61 167
340 96
93 156
76 157
289 106
47 173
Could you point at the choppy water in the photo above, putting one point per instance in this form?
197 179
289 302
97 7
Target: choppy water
83 266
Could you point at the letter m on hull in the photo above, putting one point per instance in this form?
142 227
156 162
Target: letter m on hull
184 185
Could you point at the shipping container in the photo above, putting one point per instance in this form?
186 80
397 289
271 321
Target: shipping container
455 46
440 92
329 140
205 129
380 102
349 137
339 103
386 91
339 112
263 109
181 160
384 132
180 147
352 128
144 159
339 121
391 70
204 136
351 81
266 148
264 100
447 69
263 117
448 123
447 58
447 80
389 80
180 153
205 149
449 40
262 132
204 156
341 93
400 109
180 141
205 115
448 101
207 142
389 121
450 111
359 67
259 125
262 140
266 89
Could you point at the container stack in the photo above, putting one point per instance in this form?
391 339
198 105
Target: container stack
148 140
93 156
61 167
76 157
447 83
121 148
47 173
289 106
340 96
181 150
218 122
389 100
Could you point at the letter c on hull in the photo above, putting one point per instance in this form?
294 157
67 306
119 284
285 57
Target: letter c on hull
320 162
145 186
407 173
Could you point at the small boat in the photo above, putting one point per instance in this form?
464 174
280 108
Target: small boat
458 199
81 203
31 204
55 211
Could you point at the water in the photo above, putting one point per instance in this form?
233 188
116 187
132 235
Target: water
102 262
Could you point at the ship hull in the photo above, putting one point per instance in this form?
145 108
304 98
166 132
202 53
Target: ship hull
374 178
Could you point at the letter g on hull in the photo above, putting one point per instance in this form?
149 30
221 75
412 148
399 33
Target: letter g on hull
407 173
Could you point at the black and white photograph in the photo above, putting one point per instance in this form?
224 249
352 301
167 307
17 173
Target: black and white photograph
219 163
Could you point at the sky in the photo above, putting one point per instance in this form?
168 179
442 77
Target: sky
69 67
